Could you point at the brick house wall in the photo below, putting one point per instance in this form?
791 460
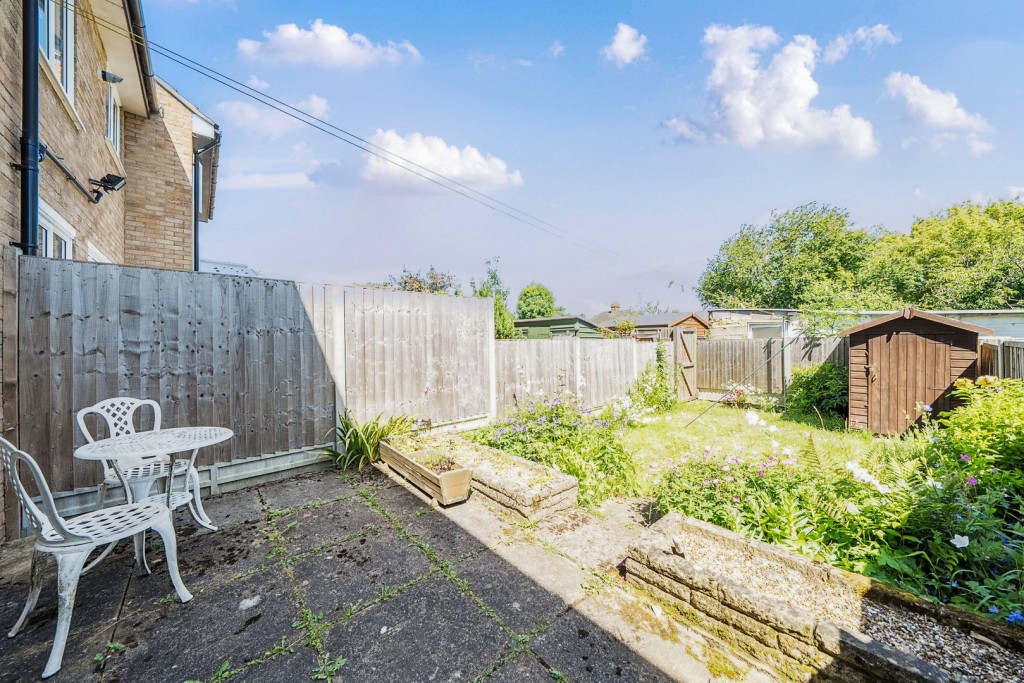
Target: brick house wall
149 222
158 211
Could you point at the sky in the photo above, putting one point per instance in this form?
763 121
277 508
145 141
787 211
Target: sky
638 136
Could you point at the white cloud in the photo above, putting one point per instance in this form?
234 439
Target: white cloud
525 63
1015 190
626 47
467 165
556 49
325 45
936 108
977 147
772 104
263 120
868 36
257 83
940 109
266 181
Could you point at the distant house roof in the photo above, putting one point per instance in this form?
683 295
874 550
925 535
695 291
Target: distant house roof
911 312
556 319
225 268
610 318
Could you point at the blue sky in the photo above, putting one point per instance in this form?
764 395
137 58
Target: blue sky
650 130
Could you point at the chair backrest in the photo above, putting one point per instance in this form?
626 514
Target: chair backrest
119 414
44 518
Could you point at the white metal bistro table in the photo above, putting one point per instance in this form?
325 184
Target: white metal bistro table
132 447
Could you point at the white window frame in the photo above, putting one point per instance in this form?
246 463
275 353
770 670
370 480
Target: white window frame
53 224
113 133
48 41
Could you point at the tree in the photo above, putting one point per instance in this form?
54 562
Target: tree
432 282
492 286
536 301
776 265
967 256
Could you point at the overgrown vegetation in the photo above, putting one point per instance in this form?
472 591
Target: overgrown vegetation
361 442
559 432
937 512
819 389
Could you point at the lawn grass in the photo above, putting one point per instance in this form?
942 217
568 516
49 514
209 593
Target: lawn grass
660 443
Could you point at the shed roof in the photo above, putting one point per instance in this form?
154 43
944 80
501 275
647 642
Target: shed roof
555 320
911 312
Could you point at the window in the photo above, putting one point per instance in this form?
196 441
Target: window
56 236
57 40
114 118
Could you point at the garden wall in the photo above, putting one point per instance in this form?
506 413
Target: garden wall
802 619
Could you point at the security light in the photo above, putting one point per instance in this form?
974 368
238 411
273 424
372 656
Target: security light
109 182
110 78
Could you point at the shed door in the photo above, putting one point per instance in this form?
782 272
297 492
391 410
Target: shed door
905 369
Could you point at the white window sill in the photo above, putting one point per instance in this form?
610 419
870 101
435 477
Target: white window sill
69 107
116 158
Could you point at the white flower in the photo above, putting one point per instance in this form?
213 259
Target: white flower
960 541
852 509
787 451
773 428
751 418
883 488
775 444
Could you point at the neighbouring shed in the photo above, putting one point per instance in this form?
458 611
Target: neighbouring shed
906 360
562 326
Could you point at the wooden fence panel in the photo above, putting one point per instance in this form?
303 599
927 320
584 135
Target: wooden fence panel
1013 359
417 354
598 369
211 349
759 362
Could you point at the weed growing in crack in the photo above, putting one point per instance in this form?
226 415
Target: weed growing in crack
109 650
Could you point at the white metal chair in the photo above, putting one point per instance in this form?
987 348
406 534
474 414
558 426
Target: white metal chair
71 541
141 475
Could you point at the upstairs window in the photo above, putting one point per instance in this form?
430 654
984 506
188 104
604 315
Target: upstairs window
114 118
57 40
56 236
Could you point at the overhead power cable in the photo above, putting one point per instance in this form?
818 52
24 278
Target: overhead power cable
347 137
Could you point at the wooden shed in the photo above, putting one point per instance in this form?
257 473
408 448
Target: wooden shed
904 360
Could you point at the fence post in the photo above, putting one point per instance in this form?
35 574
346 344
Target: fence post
577 367
1000 358
10 513
492 359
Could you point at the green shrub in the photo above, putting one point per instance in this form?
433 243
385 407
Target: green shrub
654 389
823 386
361 442
916 512
557 432
984 436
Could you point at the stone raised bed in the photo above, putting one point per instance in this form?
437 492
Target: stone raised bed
805 620
527 488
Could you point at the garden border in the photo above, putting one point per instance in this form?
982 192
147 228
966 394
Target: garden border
792 641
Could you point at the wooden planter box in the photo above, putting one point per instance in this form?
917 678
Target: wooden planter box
447 487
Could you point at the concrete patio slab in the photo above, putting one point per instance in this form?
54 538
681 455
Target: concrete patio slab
358 571
403 591
433 633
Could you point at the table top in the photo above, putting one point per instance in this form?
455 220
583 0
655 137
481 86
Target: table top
153 442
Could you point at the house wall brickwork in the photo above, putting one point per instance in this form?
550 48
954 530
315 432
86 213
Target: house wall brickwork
158 213
154 209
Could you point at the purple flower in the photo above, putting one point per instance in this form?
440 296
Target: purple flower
541 420
1015 617
760 473
965 457
735 499
971 481
993 610
994 470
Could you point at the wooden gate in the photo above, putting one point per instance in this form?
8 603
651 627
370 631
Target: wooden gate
684 355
